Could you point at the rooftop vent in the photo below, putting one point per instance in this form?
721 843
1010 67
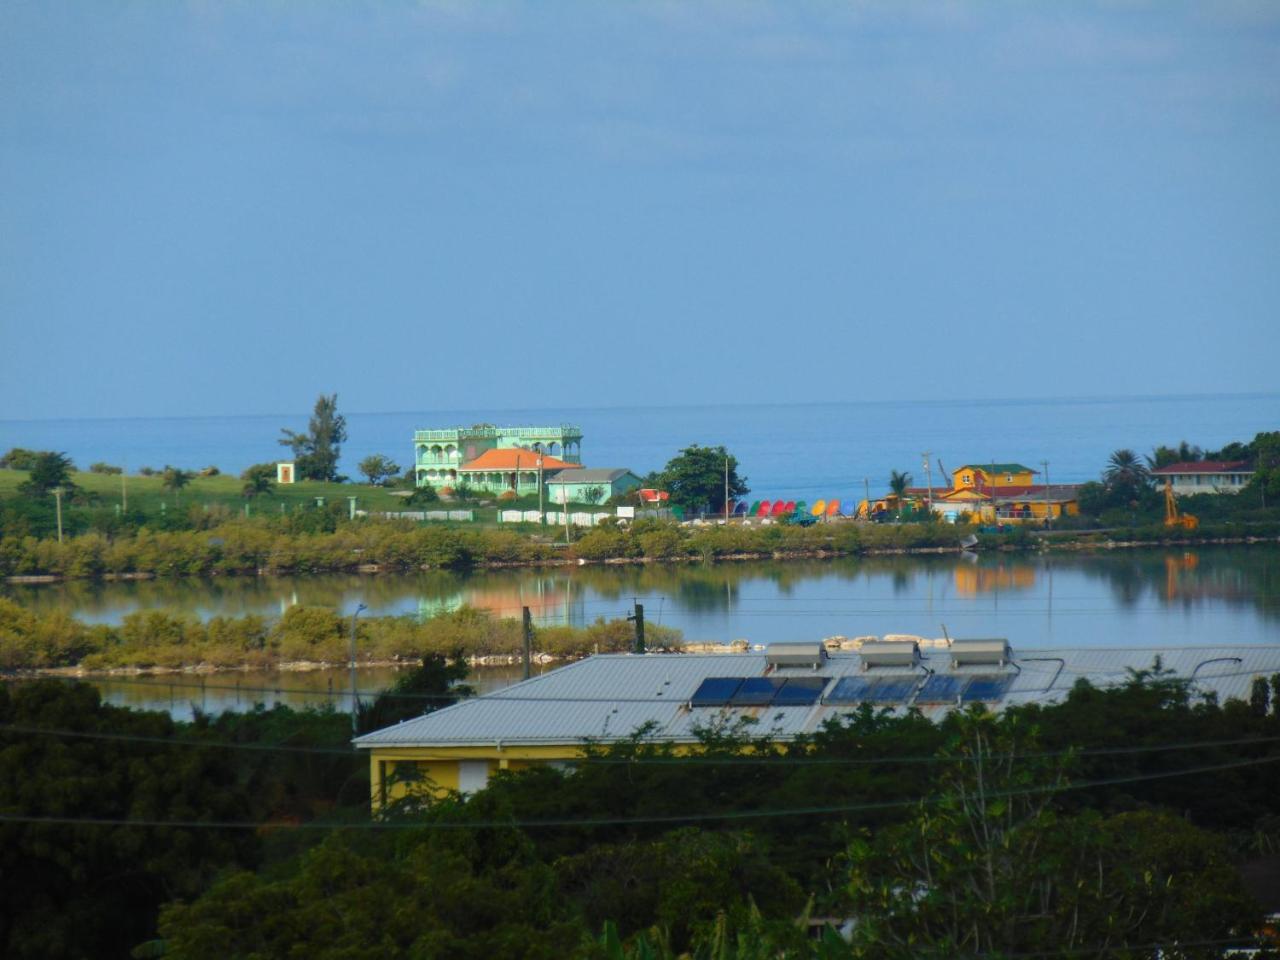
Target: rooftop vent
795 655
966 653
890 653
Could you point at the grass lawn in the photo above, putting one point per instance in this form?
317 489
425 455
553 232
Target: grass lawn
147 493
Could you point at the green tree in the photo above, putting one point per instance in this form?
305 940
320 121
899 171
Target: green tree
992 866
1127 479
1184 452
258 479
436 683
696 478
174 479
1266 466
898 483
20 458
317 451
378 469
47 472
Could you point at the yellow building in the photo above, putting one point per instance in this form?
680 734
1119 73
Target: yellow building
1005 493
789 690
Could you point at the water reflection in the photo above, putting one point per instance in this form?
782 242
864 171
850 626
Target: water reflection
1103 598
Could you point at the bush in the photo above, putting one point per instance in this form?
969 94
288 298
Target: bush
107 468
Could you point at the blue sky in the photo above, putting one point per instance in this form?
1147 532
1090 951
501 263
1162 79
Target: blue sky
219 208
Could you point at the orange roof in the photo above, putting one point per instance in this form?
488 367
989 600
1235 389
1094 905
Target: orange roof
504 458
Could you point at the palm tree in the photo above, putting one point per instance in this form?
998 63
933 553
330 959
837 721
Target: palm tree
175 479
898 483
1125 469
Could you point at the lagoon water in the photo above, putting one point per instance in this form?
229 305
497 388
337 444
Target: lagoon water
797 451
1153 598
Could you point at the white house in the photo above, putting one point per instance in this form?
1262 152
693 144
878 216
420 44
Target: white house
1205 476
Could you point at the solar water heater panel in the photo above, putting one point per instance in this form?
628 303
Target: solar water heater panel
799 691
896 690
941 689
715 691
755 692
986 688
849 690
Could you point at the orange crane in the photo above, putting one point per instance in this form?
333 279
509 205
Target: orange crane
1172 518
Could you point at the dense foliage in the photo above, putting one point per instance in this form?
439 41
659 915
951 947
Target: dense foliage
155 638
697 477
968 836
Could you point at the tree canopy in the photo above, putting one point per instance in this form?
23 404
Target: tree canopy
696 478
317 451
378 469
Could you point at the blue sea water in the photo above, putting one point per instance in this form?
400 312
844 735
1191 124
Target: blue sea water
797 451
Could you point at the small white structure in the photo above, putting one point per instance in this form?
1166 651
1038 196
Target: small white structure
285 472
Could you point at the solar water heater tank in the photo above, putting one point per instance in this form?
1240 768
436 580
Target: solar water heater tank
795 654
890 653
966 653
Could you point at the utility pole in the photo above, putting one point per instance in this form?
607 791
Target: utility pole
726 488
528 641
57 496
355 713
541 516
928 472
124 489
1045 464
564 505
638 619
866 486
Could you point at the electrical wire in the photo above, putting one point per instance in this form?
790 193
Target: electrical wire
694 760
732 815
1121 675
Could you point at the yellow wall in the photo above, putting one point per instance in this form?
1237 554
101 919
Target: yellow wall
976 477
435 770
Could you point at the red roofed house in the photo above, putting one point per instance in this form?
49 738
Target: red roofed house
511 468
1205 476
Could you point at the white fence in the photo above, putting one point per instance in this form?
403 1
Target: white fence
464 516
553 518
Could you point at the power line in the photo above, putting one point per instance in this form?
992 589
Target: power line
763 814
694 760
449 699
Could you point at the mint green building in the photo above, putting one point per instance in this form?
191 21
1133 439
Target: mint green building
441 455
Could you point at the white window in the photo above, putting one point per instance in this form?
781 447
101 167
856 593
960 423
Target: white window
473 775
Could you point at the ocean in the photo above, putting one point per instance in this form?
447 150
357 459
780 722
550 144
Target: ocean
796 451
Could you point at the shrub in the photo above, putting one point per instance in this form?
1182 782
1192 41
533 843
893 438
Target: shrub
107 468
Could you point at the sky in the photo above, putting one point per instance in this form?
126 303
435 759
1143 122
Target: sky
214 208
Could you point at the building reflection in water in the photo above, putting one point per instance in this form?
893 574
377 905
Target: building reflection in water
551 600
973 579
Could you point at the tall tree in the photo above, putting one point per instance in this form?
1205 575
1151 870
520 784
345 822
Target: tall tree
1126 476
316 452
696 478
898 483
48 470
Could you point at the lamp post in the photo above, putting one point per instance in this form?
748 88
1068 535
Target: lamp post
57 496
541 516
355 713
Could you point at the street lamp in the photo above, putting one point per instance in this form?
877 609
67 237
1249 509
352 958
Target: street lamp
355 713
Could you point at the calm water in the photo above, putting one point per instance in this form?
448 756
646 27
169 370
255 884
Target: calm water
1124 597
795 451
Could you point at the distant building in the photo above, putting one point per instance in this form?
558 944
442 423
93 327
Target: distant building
590 486
284 472
1206 476
1003 493
793 687
440 454
510 468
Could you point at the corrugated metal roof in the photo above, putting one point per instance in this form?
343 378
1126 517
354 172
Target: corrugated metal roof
608 697
590 475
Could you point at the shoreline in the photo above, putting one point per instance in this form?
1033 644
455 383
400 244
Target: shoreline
1066 541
